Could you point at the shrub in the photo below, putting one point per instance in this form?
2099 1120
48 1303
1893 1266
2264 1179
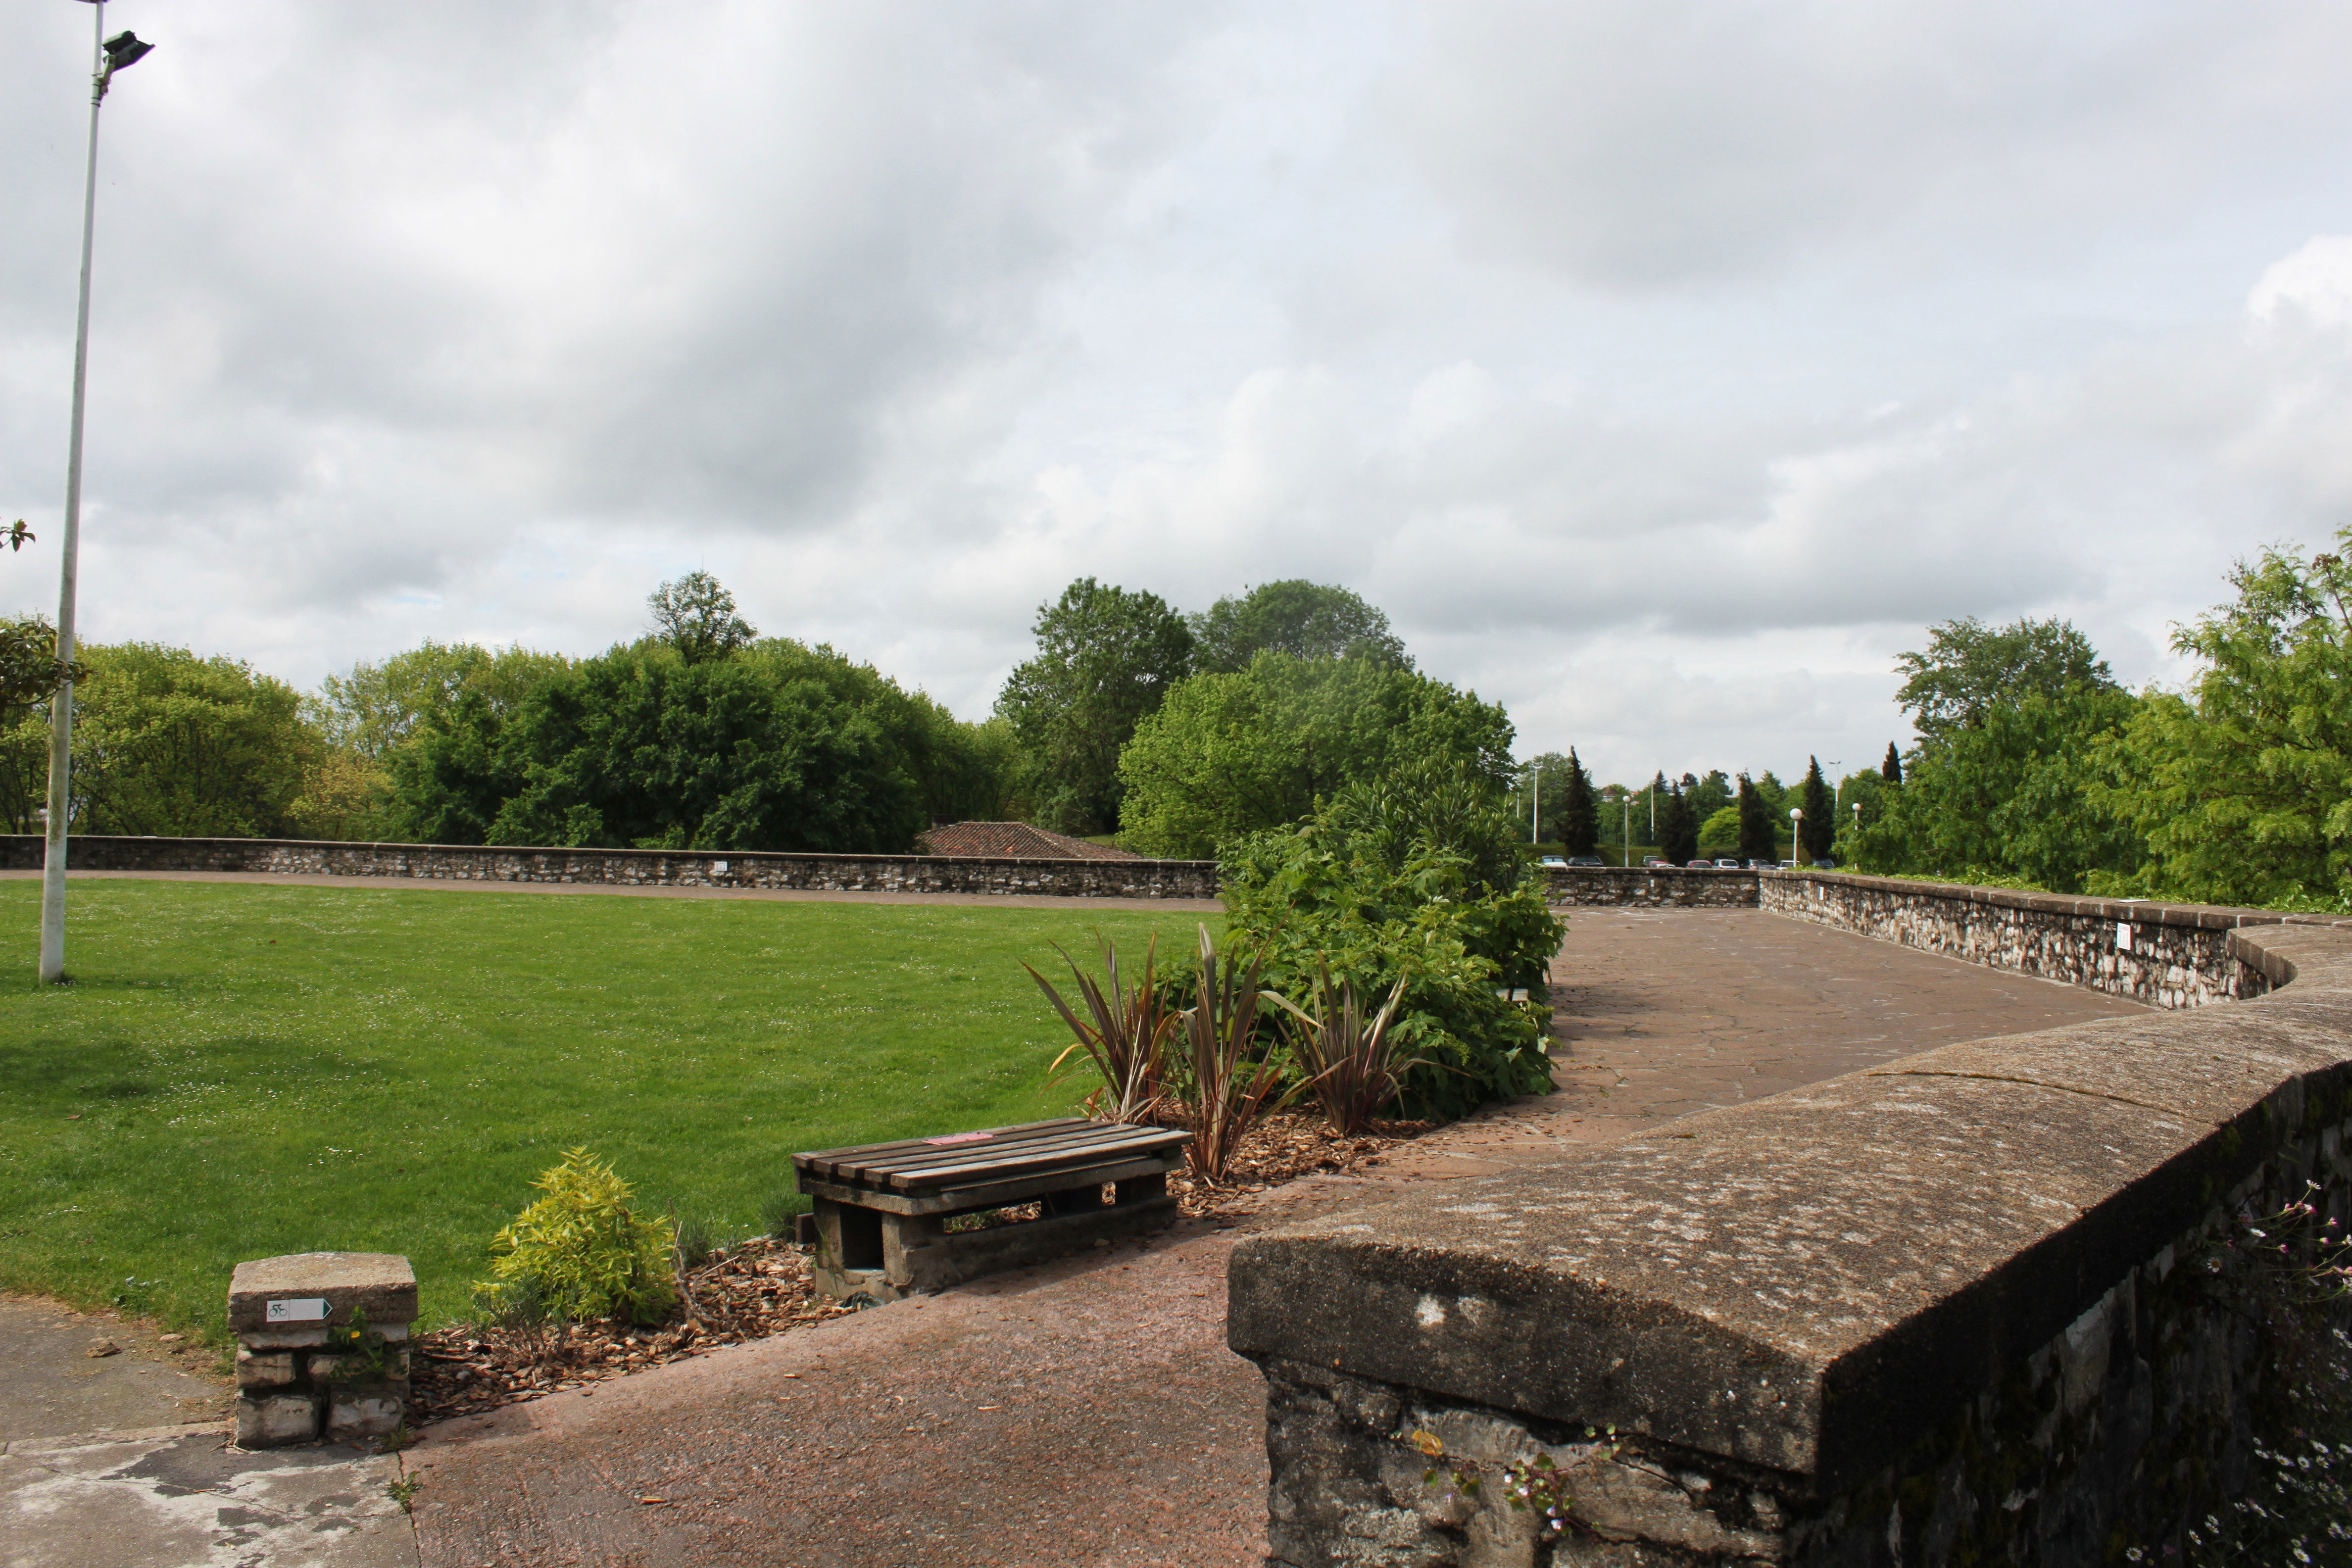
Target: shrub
580 1252
1123 1032
1350 1061
1313 899
1234 1078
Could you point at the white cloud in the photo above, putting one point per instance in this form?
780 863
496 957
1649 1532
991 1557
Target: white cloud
1662 369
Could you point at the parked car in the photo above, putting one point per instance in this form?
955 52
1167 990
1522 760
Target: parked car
1553 860
1586 860
1727 864
1651 860
1788 865
1762 866
1701 866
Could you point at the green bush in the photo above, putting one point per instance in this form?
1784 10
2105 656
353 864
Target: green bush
580 1252
1316 898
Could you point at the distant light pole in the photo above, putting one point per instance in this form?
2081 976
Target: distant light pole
1535 807
1627 798
1796 830
106 57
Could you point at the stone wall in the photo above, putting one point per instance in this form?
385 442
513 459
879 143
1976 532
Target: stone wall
1948 1309
2168 955
1635 886
633 868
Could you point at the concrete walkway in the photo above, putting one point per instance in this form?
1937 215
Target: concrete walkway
1087 1412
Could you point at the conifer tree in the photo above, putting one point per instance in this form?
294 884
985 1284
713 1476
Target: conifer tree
1677 827
1891 770
1818 833
1579 817
1756 839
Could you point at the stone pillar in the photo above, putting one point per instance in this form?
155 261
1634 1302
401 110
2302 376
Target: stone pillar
322 1346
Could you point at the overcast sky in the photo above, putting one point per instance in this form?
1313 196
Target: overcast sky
1662 369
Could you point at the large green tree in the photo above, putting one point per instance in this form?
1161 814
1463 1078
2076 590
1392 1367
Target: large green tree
1968 669
1228 754
779 746
168 743
695 616
2020 793
1306 620
1107 658
2242 788
2009 776
376 706
1709 795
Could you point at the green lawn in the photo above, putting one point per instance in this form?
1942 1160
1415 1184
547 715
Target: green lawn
265 1069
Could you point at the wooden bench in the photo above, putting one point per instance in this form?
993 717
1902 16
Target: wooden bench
881 1224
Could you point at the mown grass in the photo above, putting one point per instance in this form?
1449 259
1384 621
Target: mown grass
262 1069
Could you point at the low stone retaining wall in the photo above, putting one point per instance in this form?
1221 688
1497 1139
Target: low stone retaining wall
1662 887
633 867
2168 955
1947 1310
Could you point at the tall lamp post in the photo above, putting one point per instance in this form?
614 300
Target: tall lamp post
106 57
1796 834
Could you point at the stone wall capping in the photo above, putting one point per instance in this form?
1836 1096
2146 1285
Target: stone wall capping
633 867
1795 1294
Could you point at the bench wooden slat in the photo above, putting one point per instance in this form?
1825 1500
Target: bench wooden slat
999 1137
1070 1146
1071 1139
873 1164
985 1194
1099 1154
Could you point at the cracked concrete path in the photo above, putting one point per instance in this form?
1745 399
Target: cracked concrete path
180 1497
123 1461
52 1386
1087 1413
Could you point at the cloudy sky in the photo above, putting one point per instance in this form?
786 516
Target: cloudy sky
1661 368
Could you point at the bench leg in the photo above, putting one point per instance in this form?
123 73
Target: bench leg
1142 1189
903 1234
1077 1200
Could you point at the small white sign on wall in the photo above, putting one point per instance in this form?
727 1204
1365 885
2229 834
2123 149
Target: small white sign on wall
2123 936
719 868
302 1309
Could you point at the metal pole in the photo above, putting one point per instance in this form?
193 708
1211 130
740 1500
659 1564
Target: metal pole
1627 800
53 862
1535 808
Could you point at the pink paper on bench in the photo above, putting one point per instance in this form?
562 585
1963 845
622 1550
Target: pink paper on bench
962 1138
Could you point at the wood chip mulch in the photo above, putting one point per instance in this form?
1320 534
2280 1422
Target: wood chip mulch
1282 1148
761 1287
747 1292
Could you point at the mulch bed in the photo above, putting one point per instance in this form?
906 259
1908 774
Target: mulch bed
761 1287
1283 1148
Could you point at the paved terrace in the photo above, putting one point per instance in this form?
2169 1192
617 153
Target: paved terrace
1087 1412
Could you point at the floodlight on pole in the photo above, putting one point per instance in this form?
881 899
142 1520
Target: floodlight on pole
106 57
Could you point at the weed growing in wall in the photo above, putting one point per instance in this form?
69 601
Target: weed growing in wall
2292 1272
1536 1486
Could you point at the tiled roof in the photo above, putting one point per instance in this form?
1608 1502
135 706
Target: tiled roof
997 840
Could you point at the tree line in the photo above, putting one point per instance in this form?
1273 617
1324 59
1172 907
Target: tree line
2033 766
1184 731
701 735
